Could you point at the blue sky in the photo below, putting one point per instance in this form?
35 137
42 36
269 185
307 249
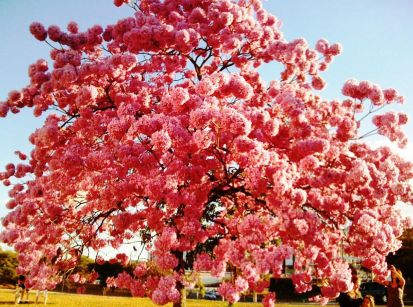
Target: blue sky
376 37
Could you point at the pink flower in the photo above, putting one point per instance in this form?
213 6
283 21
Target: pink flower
73 27
166 261
335 49
240 88
11 204
218 269
77 278
161 140
15 96
269 300
21 155
403 118
390 94
347 129
140 270
227 290
100 260
119 2
122 258
38 31
166 291
137 289
203 262
322 45
318 83
54 33
4 109
93 276
197 15
159 297
86 95
329 292
376 95
301 226
182 37
111 282
205 87
241 284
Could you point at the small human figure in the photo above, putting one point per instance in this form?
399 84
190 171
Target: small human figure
44 293
368 301
395 288
20 290
352 298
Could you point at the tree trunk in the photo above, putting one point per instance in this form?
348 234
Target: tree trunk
179 286
182 291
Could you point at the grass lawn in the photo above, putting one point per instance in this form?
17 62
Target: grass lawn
58 299
78 300
81 300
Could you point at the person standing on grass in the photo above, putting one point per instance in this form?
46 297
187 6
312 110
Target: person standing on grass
20 290
395 288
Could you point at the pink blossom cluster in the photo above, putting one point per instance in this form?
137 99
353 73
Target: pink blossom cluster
327 50
269 300
302 281
77 278
73 39
389 124
166 291
121 258
383 231
367 90
228 291
126 281
203 262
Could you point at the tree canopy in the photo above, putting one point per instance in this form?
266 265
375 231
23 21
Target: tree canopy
161 129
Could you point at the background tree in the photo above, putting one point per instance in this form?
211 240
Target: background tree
107 269
8 265
160 129
79 274
403 258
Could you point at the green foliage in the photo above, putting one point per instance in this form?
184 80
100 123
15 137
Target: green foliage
85 265
8 264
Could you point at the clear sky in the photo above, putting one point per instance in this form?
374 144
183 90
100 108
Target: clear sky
376 35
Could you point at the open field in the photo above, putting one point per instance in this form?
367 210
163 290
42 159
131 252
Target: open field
78 300
81 300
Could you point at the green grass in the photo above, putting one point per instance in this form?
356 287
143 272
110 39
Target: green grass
77 300
81 300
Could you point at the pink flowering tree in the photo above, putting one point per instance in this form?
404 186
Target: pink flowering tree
160 128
